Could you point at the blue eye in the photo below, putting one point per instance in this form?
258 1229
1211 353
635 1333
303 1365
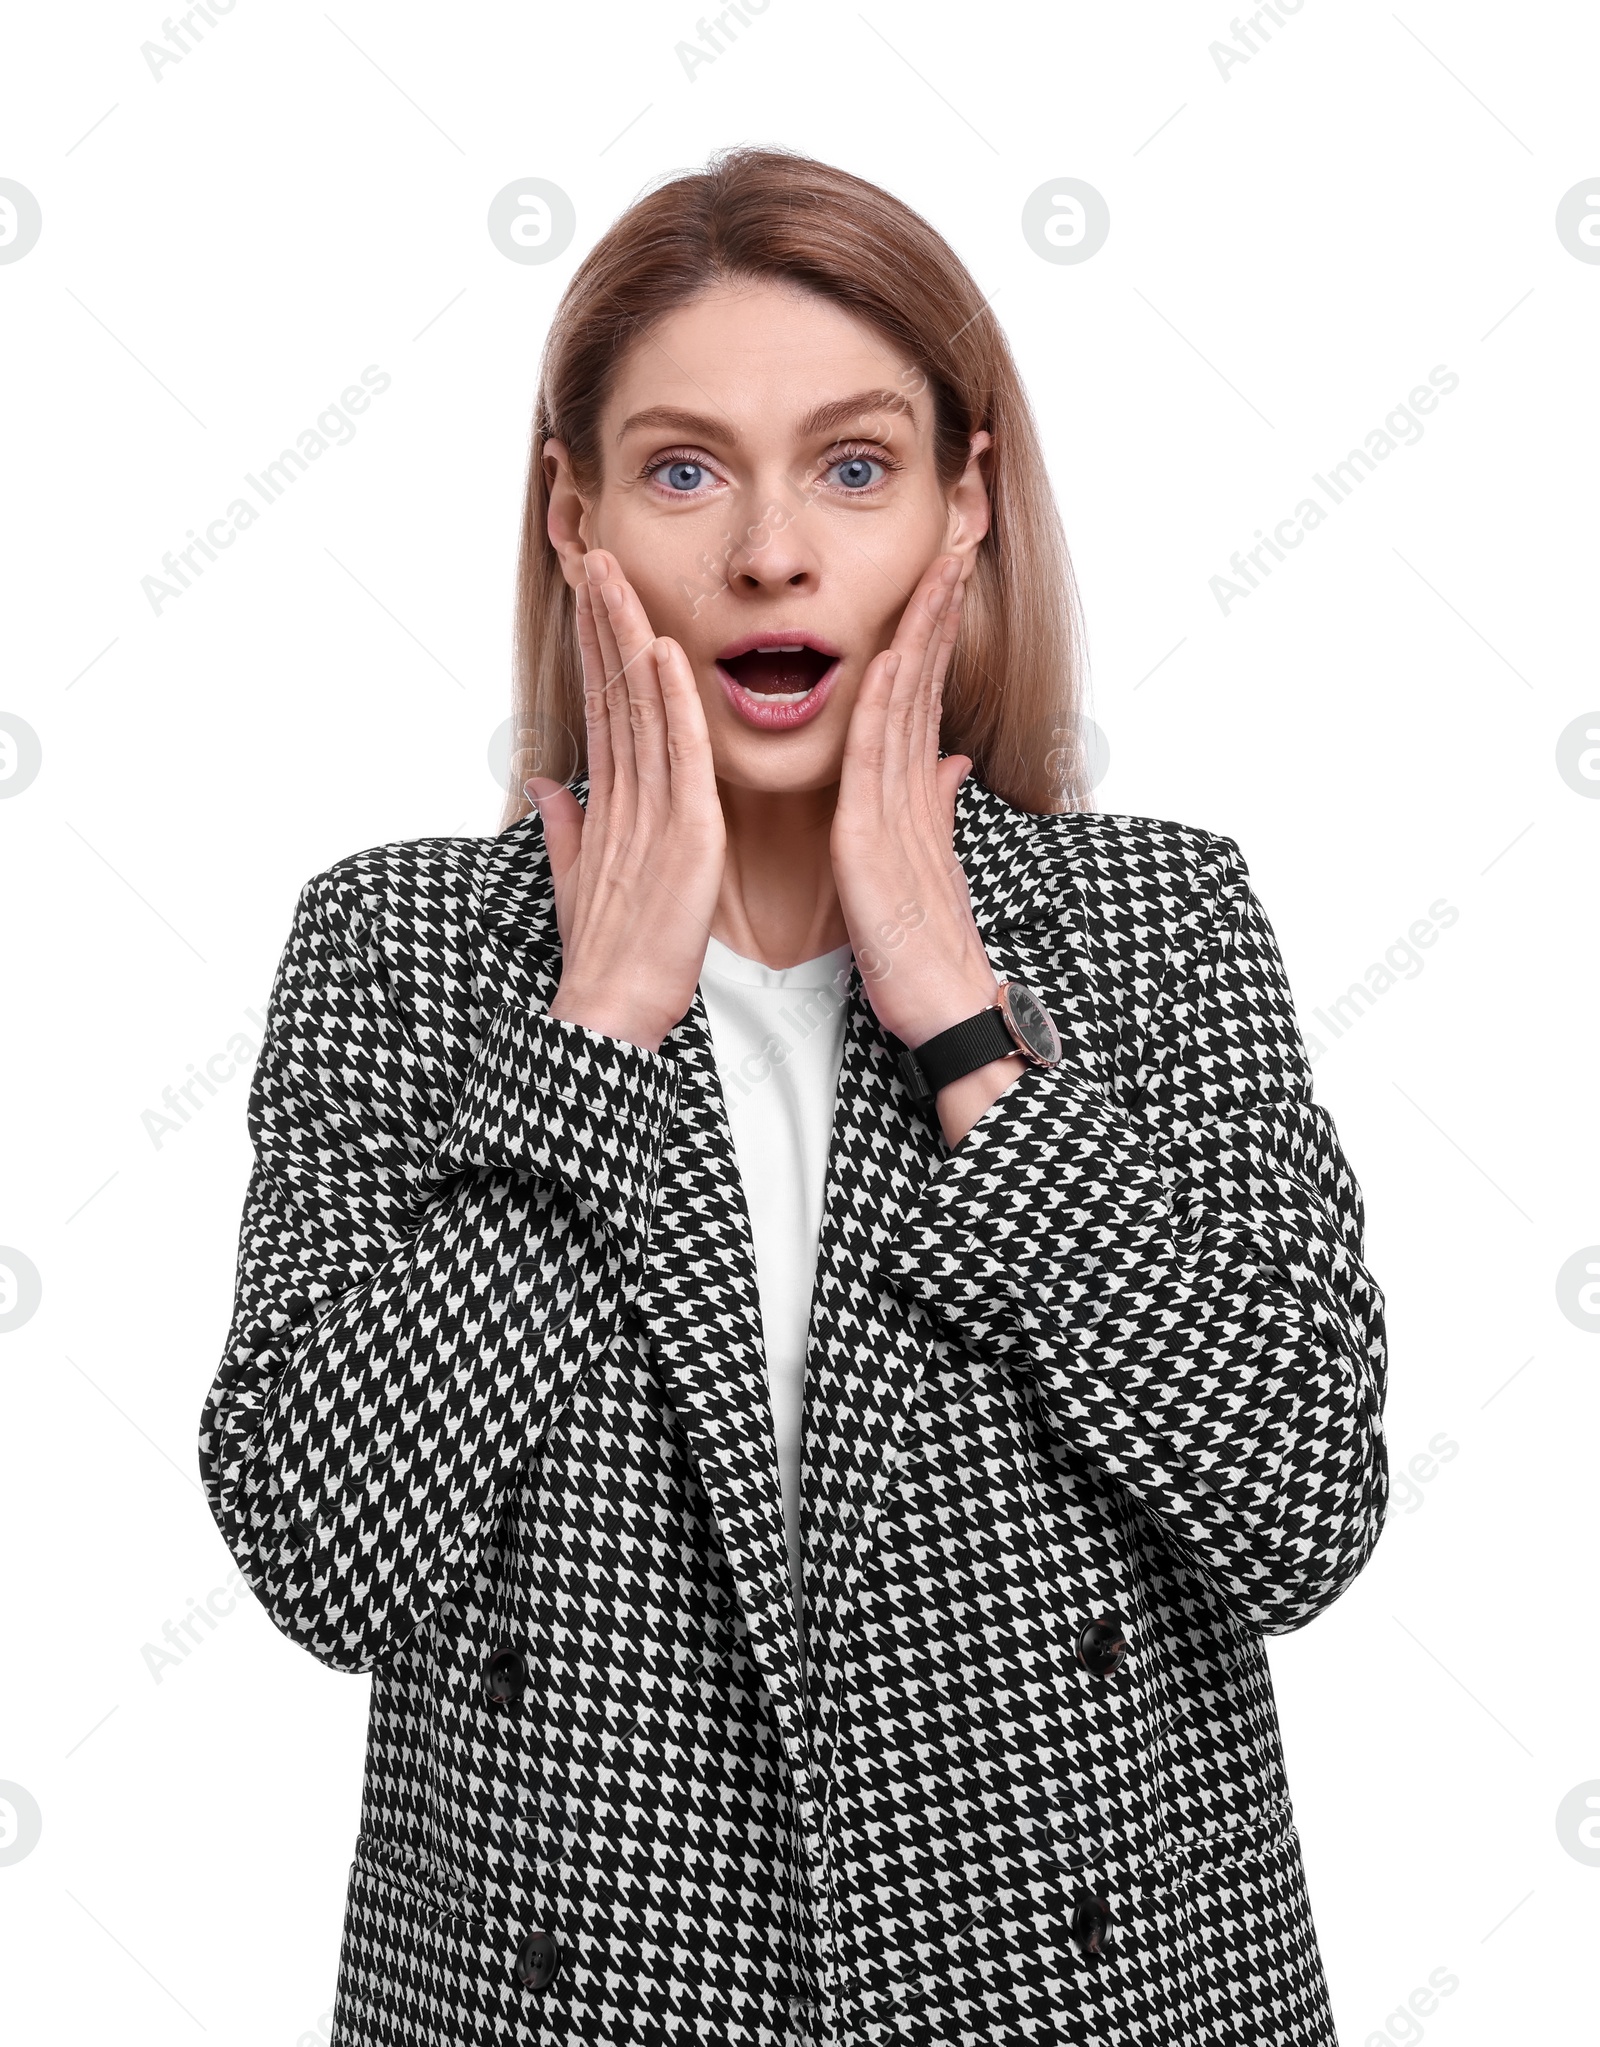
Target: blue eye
684 476
855 472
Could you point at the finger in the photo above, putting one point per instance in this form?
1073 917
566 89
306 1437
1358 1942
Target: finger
635 643
930 699
629 632
596 717
901 765
949 776
598 569
877 744
589 649
601 569
919 623
861 769
561 817
920 618
688 740
942 641
561 814
950 584
935 659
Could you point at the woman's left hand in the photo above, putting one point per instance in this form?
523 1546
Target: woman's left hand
901 888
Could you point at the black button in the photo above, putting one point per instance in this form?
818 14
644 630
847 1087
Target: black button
538 1958
1101 1646
506 1676
1091 1918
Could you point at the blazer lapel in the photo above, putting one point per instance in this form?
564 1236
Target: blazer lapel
702 1314
867 1349
698 1303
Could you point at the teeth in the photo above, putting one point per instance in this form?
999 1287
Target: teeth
776 696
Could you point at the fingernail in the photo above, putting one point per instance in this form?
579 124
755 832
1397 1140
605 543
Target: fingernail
952 569
891 667
595 568
538 787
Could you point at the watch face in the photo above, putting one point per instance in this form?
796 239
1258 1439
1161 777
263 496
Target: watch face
1030 1022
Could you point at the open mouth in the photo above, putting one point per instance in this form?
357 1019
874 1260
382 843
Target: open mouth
781 674
778 680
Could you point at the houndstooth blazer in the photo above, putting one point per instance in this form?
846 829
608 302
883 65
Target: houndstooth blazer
1093 1406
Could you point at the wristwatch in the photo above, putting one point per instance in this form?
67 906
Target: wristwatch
1017 1022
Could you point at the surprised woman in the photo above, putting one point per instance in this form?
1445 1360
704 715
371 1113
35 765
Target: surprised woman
794 1310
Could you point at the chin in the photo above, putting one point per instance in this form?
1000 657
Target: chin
787 766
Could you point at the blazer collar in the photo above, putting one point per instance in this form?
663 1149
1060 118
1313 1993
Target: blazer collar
1021 871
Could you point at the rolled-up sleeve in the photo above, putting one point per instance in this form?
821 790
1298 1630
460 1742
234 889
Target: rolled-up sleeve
411 1286
1186 1271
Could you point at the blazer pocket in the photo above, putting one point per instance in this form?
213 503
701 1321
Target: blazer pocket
418 1963
1085 1948
425 1887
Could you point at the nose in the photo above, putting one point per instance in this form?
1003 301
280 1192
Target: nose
775 552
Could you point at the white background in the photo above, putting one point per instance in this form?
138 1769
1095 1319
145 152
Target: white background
1293 248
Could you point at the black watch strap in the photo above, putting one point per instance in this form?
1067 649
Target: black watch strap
952 1054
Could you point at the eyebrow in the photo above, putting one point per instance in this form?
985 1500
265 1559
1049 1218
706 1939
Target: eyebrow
821 419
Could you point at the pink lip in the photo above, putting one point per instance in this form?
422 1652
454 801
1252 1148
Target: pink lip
760 712
753 643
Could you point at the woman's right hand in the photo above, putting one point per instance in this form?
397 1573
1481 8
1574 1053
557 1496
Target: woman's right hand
636 873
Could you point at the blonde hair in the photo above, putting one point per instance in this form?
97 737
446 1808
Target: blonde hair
1012 697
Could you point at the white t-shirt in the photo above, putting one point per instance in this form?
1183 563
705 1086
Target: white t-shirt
778 1035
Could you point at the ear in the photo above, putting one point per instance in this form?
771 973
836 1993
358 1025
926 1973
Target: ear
968 500
567 521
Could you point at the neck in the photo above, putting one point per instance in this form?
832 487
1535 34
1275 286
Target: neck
778 903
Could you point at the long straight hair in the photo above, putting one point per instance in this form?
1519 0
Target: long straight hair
1012 696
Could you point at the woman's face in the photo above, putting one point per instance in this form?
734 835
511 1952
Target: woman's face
769 490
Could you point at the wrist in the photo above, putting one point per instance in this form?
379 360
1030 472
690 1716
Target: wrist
964 1101
602 1011
967 1065
924 1014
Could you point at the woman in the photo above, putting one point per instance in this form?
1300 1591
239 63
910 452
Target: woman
779 1039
